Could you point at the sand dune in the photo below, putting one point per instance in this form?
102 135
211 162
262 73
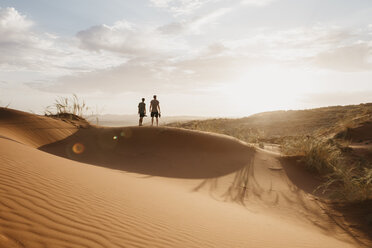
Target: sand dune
150 187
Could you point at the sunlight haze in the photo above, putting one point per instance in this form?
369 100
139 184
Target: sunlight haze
201 57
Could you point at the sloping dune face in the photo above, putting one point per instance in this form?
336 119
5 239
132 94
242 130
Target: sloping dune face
149 199
32 129
155 151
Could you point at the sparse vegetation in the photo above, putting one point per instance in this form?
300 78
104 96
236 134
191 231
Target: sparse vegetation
231 127
70 109
273 127
67 106
319 155
320 136
347 183
346 180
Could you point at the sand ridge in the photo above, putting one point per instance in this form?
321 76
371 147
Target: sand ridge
122 199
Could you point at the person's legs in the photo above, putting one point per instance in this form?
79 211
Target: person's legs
140 121
157 121
152 121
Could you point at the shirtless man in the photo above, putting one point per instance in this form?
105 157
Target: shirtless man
141 111
155 111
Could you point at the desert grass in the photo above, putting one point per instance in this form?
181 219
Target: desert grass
345 183
319 155
272 127
67 106
320 136
224 126
345 180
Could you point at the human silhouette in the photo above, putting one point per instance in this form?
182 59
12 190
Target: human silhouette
141 111
155 111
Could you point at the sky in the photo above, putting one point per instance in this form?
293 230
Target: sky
200 57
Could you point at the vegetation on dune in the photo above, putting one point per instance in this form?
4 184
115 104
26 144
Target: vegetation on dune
67 106
273 126
346 179
319 155
230 127
320 136
71 109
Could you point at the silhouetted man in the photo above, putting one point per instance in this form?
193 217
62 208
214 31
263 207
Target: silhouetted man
154 110
141 111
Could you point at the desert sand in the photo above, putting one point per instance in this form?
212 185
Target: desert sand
63 186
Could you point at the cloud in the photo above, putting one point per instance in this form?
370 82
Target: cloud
195 25
180 7
16 38
319 46
145 75
258 3
218 62
24 49
338 98
128 39
355 57
126 56
188 7
10 19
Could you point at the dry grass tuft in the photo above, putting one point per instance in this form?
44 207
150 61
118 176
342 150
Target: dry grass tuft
345 181
319 155
67 106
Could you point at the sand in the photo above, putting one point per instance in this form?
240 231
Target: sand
151 187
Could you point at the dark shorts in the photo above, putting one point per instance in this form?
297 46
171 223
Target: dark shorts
155 114
142 114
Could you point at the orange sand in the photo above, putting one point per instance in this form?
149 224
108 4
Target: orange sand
150 187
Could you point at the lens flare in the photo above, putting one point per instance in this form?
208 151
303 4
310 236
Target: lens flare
126 133
78 148
115 137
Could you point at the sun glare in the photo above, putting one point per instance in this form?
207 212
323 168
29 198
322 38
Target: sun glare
265 89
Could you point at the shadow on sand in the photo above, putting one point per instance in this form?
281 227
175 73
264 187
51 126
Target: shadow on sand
167 152
288 191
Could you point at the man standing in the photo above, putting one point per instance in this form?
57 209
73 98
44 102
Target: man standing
155 111
141 111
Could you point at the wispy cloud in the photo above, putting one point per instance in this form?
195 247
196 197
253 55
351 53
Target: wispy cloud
128 39
196 24
223 62
126 56
180 7
354 57
23 48
258 3
326 47
337 98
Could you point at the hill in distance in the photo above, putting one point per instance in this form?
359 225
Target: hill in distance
273 126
